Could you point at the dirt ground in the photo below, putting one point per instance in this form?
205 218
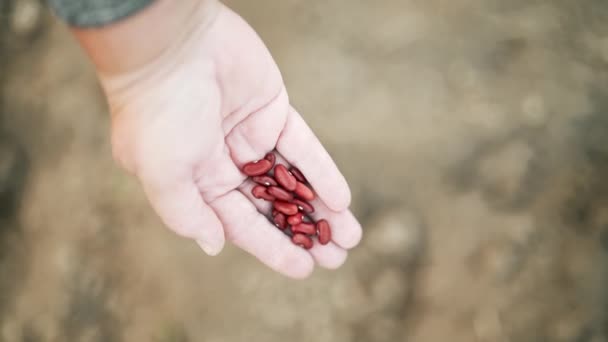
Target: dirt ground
473 134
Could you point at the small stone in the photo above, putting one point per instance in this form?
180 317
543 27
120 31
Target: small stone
26 16
395 234
534 110
64 260
389 289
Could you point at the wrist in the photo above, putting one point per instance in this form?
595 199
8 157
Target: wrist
131 44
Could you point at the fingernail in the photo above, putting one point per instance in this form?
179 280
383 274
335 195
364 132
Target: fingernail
209 248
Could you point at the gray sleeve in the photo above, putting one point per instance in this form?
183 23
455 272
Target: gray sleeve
95 13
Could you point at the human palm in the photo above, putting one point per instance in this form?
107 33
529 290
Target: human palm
186 124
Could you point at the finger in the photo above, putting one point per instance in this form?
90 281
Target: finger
258 133
181 207
328 256
346 229
251 231
299 145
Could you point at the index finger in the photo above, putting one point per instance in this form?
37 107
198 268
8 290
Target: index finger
302 149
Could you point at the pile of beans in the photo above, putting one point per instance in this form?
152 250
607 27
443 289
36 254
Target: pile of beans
290 194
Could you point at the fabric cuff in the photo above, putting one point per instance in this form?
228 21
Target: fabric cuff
95 13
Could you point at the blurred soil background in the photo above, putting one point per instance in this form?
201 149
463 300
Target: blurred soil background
474 134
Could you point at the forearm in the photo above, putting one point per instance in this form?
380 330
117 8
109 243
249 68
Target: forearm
134 39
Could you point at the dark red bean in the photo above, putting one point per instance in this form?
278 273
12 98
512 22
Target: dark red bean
324 231
280 193
283 177
257 168
259 191
295 219
304 192
270 157
286 208
298 174
280 221
264 180
304 206
304 228
288 211
302 241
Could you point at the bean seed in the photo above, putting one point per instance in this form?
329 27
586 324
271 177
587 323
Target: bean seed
270 157
280 221
295 219
286 207
259 191
302 241
304 192
304 228
304 206
280 194
257 168
298 174
284 178
264 180
324 231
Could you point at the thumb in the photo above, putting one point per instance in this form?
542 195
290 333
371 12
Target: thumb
181 207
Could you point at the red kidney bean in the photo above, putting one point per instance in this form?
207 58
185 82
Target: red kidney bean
304 192
298 174
324 231
270 157
304 228
283 177
304 206
295 219
280 221
286 208
302 241
280 194
264 180
257 168
290 193
259 191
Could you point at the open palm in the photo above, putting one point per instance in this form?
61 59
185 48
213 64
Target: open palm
187 125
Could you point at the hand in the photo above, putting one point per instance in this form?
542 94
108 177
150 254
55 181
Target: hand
186 123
